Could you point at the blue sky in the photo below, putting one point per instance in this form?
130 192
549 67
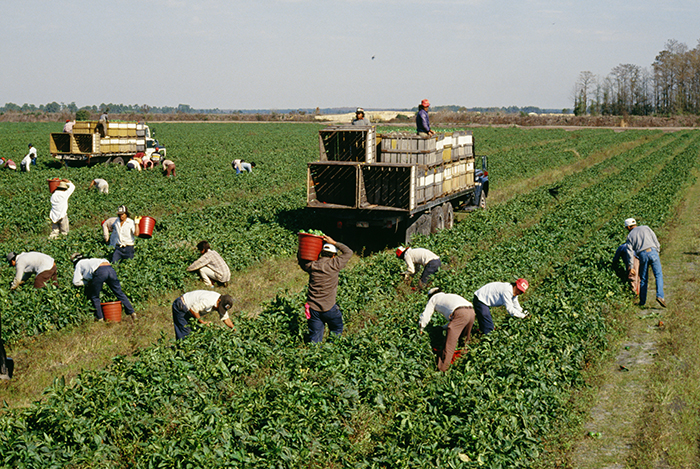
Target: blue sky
279 54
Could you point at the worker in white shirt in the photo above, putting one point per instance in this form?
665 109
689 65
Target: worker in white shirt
422 257
100 184
124 231
498 294
28 263
460 314
59 208
196 303
97 272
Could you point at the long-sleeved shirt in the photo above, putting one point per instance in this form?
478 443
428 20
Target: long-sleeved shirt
323 278
363 121
31 262
640 239
202 302
68 127
123 234
444 303
420 256
85 269
102 185
59 203
215 262
107 228
422 122
500 294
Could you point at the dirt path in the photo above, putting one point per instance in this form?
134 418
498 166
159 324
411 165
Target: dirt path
614 436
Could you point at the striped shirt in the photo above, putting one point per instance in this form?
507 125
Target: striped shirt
215 262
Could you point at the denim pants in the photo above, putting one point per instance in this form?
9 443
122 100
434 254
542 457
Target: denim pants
333 317
102 275
181 314
649 259
483 315
125 252
430 268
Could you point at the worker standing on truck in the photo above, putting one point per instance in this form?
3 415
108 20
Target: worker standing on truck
423 121
68 126
196 303
321 308
633 273
101 185
498 294
97 272
59 208
28 263
103 124
124 230
420 256
360 118
642 243
210 265
460 314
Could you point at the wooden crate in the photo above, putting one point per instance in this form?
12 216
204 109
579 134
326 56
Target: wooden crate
60 143
348 143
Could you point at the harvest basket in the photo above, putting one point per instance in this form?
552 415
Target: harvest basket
146 227
310 246
53 184
112 311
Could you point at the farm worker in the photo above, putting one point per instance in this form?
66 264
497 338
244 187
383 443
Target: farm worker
124 230
168 168
642 242
103 124
323 288
28 263
460 314
134 163
8 164
240 166
360 118
97 272
100 184
25 163
423 121
498 294
632 278
59 208
210 265
32 154
147 162
196 303
420 256
68 126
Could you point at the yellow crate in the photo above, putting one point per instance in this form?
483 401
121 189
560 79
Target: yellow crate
447 154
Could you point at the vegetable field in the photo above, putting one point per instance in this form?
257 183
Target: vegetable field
261 396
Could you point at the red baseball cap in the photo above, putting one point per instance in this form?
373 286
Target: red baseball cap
522 285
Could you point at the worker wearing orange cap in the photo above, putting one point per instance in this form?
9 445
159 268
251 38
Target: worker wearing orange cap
498 294
419 256
422 120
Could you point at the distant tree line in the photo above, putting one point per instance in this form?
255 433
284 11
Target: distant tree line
670 87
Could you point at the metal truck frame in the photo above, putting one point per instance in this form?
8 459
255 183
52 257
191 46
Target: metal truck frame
399 181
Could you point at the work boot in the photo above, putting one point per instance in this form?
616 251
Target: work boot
661 301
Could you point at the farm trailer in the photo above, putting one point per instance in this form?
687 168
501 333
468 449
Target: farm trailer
85 145
400 182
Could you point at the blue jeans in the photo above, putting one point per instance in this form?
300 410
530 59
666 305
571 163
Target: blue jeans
483 315
646 260
126 252
102 275
245 167
333 317
180 316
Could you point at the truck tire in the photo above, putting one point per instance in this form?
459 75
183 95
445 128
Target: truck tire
419 225
118 160
448 214
437 219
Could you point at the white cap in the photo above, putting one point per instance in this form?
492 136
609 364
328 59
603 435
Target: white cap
330 248
630 222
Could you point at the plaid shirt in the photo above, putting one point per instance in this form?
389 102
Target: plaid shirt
215 262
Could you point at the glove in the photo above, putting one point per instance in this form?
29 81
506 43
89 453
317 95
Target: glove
137 219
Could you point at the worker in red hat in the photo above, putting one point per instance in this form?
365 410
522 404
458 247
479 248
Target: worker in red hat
498 294
420 256
422 120
68 127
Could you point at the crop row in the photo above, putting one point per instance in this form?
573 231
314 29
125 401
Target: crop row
371 398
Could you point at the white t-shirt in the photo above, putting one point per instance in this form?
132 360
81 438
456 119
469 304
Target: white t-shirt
59 203
202 302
